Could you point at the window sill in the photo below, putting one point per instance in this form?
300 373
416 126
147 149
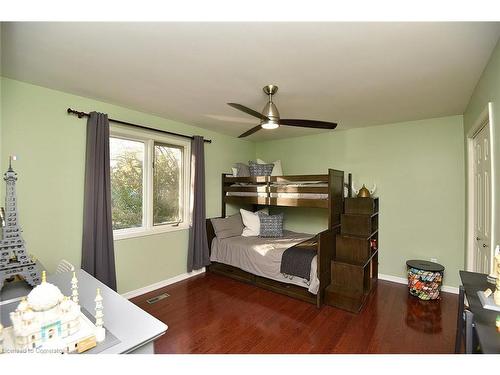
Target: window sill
148 232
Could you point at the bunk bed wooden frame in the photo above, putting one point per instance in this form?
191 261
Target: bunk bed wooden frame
324 241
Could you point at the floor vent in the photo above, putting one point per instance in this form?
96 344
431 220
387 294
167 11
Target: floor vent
157 298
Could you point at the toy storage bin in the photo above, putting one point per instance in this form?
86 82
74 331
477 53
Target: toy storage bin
424 279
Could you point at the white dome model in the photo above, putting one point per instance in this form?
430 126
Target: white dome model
44 296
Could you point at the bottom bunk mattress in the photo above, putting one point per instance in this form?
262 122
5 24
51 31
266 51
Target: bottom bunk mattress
262 257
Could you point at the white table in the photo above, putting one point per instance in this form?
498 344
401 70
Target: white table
135 328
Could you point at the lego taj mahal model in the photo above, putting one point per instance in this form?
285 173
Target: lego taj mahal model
46 321
14 260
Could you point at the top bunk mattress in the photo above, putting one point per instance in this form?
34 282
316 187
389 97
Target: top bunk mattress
262 256
277 195
261 190
286 183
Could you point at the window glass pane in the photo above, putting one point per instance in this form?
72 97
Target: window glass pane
167 184
127 169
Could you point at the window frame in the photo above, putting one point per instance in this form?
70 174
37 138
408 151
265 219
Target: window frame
150 138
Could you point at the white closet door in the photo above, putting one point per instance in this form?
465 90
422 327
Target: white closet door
482 201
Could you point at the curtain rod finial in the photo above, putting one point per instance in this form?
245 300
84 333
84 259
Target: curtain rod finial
78 113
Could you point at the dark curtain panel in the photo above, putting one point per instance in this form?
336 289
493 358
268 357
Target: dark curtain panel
198 256
98 255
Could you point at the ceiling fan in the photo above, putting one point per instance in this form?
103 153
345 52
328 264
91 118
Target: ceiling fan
270 117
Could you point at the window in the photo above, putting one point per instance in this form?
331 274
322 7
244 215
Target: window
167 184
127 182
149 183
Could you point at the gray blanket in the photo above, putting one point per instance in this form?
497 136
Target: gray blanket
296 260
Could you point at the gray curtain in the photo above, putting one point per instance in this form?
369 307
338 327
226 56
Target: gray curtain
198 256
98 255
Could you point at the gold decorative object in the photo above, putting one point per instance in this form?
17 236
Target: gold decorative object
364 192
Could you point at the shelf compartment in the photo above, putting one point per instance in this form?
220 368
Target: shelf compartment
351 284
354 249
359 225
361 206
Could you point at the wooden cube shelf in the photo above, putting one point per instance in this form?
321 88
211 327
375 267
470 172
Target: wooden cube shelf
354 270
359 225
351 284
361 206
355 249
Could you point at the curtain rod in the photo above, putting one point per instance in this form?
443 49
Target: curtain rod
84 114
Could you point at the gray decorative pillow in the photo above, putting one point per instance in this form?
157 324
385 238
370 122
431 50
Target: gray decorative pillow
271 225
231 226
242 170
260 169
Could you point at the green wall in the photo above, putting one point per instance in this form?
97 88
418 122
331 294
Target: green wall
419 171
488 90
50 146
418 168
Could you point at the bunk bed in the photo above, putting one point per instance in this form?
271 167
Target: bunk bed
325 191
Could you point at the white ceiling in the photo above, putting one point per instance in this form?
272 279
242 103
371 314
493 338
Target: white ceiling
357 74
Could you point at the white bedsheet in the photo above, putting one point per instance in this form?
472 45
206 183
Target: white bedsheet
262 256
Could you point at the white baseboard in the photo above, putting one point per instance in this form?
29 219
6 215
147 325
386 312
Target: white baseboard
161 284
187 275
403 280
394 279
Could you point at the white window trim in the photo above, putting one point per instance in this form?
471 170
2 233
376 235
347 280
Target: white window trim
147 228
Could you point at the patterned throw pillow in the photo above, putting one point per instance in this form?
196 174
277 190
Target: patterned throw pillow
257 169
277 170
271 225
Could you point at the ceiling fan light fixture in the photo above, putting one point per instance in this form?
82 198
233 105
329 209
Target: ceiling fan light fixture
269 125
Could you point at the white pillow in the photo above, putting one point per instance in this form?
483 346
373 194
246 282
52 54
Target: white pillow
277 170
251 222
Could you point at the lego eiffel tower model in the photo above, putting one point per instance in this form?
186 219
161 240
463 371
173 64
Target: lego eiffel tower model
14 260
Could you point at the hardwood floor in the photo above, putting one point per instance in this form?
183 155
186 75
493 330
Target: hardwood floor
215 314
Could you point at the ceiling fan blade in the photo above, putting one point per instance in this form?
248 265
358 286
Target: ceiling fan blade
247 110
309 123
251 131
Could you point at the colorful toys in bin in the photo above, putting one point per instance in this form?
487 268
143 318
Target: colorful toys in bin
424 279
